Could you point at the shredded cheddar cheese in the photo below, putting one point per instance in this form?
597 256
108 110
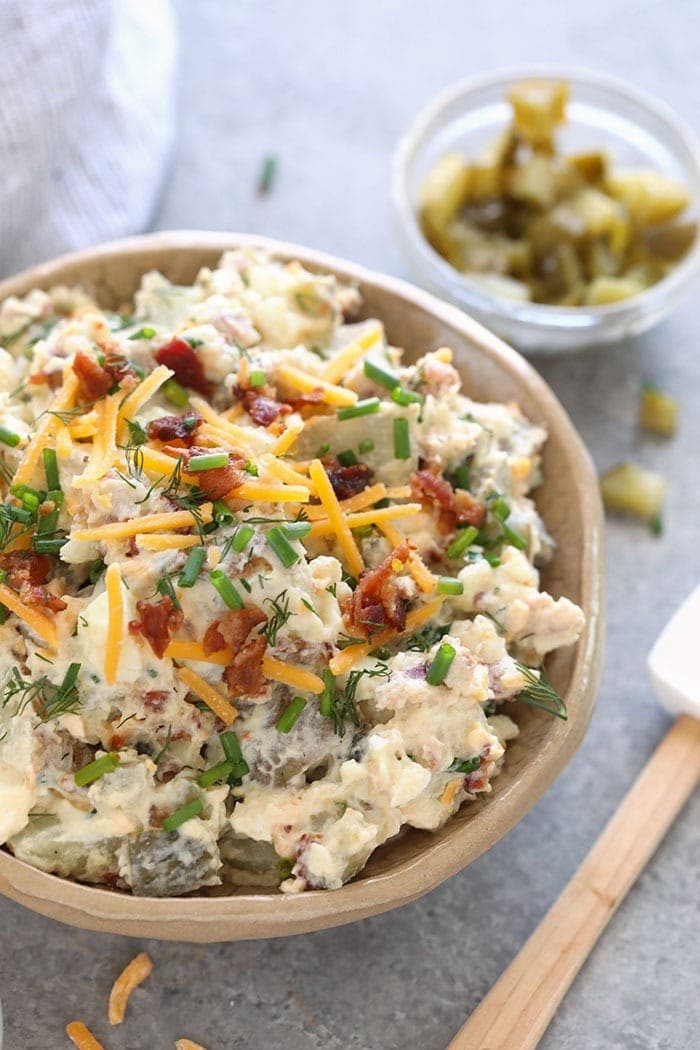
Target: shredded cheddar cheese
181 649
119 530
81 1036
296 677
134 974
451 788
46 427
370 495
305 382
155 542
364 517
42 626
420 573
139 396
337 522
211 696
348 657
115 623
288 437
350 355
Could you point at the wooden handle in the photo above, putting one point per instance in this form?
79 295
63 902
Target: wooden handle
517 1010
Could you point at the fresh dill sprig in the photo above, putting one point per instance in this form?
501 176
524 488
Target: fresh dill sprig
342 703
424 640
54 700
540 693
280 616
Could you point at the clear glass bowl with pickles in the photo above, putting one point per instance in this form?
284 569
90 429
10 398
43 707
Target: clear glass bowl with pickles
559 208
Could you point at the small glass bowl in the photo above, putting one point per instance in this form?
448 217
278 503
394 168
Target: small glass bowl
633 128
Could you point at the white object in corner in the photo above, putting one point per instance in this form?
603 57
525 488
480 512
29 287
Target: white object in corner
673 661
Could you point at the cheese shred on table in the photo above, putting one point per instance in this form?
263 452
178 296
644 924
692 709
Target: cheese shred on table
268 588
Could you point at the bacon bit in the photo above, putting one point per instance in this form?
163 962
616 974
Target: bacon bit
27 573
244 676
156 699
234 629
156 621
174 428
219 481
185 363
311 398
262 410
377 601
458 508
348 481
94 380
120 369
213 641
52 379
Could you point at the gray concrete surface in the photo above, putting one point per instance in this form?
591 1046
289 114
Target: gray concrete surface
329 87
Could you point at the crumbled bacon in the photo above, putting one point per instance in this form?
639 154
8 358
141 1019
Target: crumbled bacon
27 573
312 397
348 481
262 410
237 625
377 601
244 676
174 428
155 699
94 380
185 363
457 507
213 641
52 379
156 621
218 481
120 369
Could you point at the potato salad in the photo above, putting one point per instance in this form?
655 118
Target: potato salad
266 590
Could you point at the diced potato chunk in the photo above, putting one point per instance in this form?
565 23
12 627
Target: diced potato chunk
658 412
633 490
539 106
649 196
444 191
591 166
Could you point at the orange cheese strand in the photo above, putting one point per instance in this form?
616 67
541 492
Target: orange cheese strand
363 499
297 677
420 573
211 696
365 517
183 649
350 355
118 530
81 1036
37 621
306 382
345 659
48 424
130 978
337 522
115 623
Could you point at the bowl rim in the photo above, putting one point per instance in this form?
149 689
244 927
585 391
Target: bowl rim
257 915
539 315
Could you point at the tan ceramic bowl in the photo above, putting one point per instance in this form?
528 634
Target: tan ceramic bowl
418 861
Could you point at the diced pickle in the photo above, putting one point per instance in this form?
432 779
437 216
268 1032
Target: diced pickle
658 412
170 863
633 490
550 227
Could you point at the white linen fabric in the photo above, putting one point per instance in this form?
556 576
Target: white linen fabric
86 122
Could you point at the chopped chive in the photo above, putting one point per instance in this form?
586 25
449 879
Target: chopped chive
463 477
221 771
192 567
493 559
380 376
406 397
20 490
500 509
94 770
257 378
30 501
382 503
9 438
3 614
48 546
450 585
232 750
368 407
402 442
53 481
327 702
463 539
174 393
56 497
226 589
96 570
366 446
242 537
281 546
514 538
143 333
323 449
182 815
363 532
657 525
267 175
441 664
165 587
209 461
251 468
347 458
20 514
46 523
464 765
222 514
290 714
294 530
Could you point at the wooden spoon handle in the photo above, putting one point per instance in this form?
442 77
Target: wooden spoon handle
517 1010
